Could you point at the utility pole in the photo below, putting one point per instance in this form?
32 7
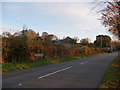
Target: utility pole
101 41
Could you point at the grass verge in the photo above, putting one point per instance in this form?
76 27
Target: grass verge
111 78
9 67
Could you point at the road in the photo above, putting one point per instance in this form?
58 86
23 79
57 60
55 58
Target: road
80 73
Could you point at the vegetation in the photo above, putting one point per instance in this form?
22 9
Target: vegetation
103 41
110 15
84 41
112 76
22 46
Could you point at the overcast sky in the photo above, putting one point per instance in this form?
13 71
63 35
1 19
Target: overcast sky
74 19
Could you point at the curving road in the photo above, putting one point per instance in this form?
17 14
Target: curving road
80 73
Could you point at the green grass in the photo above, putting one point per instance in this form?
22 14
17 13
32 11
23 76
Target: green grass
9 67
111 78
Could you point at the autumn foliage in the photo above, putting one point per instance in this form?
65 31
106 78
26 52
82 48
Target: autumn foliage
111 16
23 45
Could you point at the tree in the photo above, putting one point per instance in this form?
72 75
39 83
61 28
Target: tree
6 34
111 16
69 40
103 41
115 45
44 34
84 41
18 48
15 47
31 34
50 37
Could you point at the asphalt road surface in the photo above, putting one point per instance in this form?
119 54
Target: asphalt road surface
80 73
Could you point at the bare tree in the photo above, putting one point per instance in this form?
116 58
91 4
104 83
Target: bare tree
111 16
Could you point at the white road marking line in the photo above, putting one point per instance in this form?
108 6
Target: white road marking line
54 72
88 61
84 62
20 84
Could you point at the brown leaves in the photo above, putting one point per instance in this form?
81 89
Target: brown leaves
111 17
110 84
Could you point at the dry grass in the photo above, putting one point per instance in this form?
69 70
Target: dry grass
112 76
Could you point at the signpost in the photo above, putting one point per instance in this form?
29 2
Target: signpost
39 55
